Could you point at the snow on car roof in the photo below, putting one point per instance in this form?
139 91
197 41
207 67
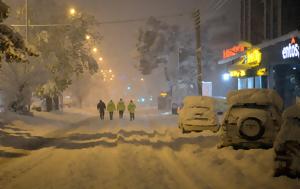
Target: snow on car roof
292 112
257 96
204 101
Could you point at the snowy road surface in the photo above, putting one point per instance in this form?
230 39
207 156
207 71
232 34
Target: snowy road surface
74 150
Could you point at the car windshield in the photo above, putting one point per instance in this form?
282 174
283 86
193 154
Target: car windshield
198 106
252 106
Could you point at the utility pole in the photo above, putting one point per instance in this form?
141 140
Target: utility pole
196 16
26 2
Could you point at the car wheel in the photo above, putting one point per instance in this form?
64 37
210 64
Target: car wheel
251 129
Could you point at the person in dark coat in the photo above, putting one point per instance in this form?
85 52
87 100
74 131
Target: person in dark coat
101 108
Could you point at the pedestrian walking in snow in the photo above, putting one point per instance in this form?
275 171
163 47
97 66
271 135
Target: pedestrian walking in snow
131 108
121 108
101 108
111 107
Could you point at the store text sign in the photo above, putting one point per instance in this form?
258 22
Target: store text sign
292 50
253 57
233 51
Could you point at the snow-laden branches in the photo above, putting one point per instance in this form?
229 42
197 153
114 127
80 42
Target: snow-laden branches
12 44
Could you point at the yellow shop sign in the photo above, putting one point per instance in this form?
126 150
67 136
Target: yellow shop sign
237 73
253 57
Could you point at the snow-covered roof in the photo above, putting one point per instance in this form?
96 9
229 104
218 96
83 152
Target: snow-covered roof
257 96
204 101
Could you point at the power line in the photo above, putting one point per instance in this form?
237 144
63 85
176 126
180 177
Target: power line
143 19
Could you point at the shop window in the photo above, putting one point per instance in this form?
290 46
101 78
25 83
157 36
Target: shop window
242 83
250 82
258 84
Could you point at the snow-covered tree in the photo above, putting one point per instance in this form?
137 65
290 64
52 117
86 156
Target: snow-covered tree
18 81
80 88
65 50
12 44
155 43
162 43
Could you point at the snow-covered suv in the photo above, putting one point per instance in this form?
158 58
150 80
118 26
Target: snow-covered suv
252 120
287 144
197 114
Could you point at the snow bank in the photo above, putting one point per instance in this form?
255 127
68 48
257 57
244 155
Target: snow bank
257 96
147 153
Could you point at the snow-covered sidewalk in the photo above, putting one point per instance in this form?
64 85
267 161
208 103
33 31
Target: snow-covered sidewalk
75 150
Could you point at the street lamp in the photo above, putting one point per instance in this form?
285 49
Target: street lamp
87 37
226 76
72 11
109 70
95 49
142 79
101 59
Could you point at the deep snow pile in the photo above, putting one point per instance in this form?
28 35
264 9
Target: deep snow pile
148 153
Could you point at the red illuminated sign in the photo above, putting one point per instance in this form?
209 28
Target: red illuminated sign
233 51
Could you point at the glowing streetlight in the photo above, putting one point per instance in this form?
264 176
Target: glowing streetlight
102 71
101 59
226 76
95 49
142 79
111 79
72 11
109 70
87 37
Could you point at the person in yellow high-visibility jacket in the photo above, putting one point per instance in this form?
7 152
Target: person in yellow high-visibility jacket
111 107
121 108
131 108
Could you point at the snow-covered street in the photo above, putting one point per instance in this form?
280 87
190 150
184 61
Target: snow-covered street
75 150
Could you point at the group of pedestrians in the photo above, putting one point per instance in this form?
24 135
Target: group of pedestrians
111 108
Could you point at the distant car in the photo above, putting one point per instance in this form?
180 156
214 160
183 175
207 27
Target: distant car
252 120
68 101
38 104
175 108
198 114
287 144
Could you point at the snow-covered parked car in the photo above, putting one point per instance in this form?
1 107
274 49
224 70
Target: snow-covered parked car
287 144
252 120
198 114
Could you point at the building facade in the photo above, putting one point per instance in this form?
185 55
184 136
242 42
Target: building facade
268 19
271 57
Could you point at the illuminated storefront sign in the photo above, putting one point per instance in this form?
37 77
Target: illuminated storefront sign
163 94
261 72
237 73
253 57
292 50
233 51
